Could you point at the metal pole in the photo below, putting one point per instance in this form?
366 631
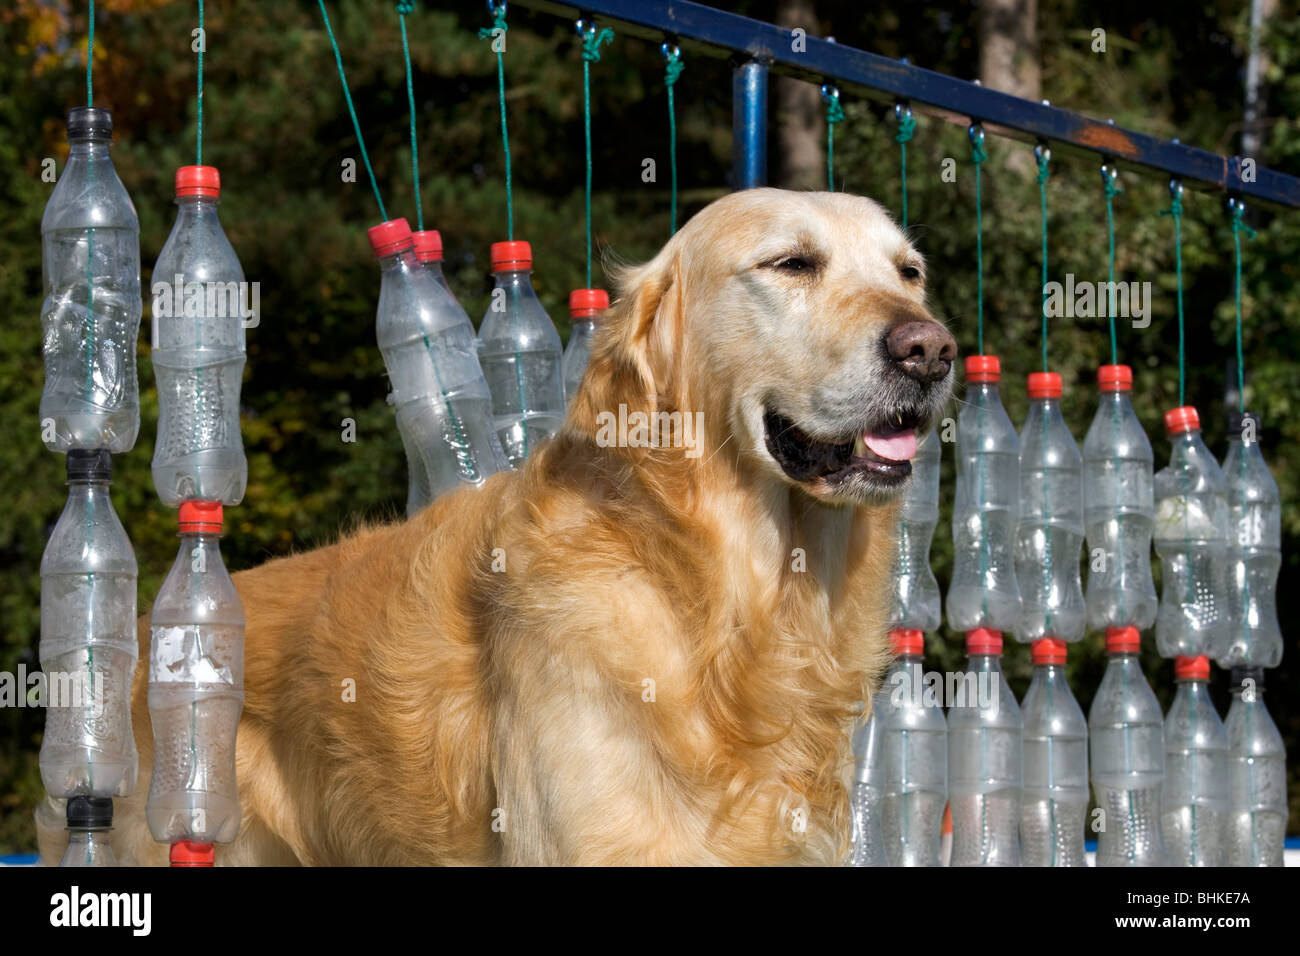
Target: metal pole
749 125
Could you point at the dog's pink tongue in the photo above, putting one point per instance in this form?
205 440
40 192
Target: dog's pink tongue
897 446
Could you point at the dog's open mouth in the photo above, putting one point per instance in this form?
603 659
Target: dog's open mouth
882 452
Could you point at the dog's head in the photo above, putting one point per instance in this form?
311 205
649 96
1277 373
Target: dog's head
793 326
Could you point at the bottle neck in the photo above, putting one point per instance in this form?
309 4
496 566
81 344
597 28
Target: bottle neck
434 267
514 277
398 259
986 662
87 488
93 147
192 207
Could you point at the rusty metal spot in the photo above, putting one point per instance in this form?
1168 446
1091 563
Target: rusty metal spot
1106 139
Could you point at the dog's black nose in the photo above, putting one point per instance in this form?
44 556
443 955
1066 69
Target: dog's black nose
922 350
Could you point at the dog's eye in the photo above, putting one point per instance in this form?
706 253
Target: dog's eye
910 273
793 264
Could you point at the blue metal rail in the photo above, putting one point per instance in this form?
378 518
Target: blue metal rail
763 47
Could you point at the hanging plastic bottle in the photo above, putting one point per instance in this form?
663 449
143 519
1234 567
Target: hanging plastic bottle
915 603
90 824
1118 508
1126 737
521 356
984 760
1195 795
1050 530
1055 800
88 646
868 846
914 753
428 249
585 309
1257 807
1253 637
983 593
196 688
442 401
90 254
200 305
1191 536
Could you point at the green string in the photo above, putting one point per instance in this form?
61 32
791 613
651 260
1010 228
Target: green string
906 128
591 42
347 95
834 114
1110 185
90 58
1044 173
404 9
485 33
1175 210
90 232
672 71
198 99
978 157
1238 227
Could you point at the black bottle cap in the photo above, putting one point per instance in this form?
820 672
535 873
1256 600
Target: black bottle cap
90 813
1239 675
1237 424
90 464
90 122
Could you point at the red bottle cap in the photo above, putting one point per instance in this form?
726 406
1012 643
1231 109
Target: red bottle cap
1178 420
586 303
1192 668
428 245
189 853
1115 378
983 640
983 368
1123 640
390 237
200 517
511 256
198 181
1044 385
907 641
1048 650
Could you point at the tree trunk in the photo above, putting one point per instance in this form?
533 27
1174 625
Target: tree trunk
800 116
1010 59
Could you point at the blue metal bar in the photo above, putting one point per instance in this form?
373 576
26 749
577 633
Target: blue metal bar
749 125
706 31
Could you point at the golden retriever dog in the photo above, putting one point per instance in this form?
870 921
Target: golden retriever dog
648 645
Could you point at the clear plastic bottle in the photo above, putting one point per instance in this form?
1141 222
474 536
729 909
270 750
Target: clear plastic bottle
915 757
915 602
585 309
90 824
868 847
1055 799
90 254
984 760
1118 508
200 306
983 593
441 397
1253 637
1257 808
88 644
1191 537
1050 530
196 688
1194 801
521 356
1126 738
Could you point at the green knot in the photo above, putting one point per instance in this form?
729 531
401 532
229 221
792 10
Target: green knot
1044 171
592 40
834 111
498 23
1238 223
1110 184
673 67
978 154
405 7
906 128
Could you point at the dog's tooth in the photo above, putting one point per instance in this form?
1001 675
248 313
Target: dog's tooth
859 446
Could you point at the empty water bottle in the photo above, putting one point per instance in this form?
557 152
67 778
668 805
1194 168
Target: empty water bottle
983 593
1055 800
196 688
88 644
90 257
585 308
90 823
1253 637
1118 508
1050 530
1191 537
1126 737
1257 810
915 603
1195 796
915 756
442 401
200 306
868 846
521 356
984 760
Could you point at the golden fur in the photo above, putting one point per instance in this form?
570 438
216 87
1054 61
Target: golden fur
651 678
